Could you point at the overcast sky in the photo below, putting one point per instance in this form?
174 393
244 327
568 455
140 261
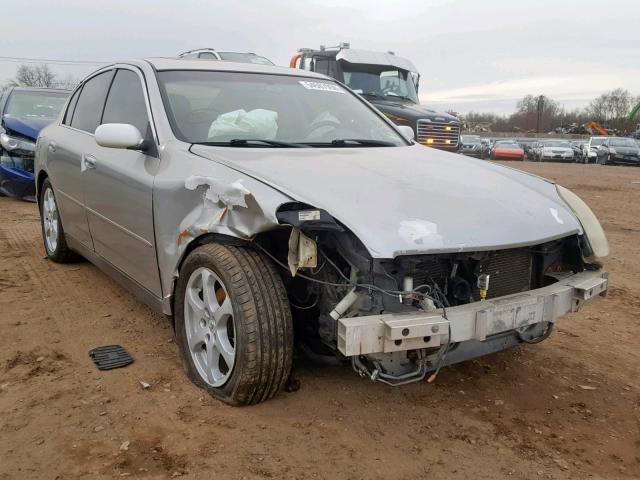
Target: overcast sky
473 55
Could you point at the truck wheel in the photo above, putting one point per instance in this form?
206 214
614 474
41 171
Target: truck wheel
233 324
55 244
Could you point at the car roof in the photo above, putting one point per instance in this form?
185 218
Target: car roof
163 64
40 89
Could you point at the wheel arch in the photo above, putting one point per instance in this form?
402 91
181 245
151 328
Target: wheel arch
203 239
42 176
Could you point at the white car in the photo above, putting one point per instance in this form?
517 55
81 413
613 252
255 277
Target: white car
554 150
590 149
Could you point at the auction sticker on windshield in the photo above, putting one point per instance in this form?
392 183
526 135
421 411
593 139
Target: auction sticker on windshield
327 87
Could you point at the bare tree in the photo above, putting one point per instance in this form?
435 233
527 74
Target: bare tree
40 76
530 107
34 76
612 108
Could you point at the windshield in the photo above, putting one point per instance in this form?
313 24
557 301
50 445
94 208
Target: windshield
557 144
380 82
597 141
469 139
218 107
31 103
623 142
245 58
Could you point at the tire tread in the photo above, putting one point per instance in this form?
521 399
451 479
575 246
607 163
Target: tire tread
260 295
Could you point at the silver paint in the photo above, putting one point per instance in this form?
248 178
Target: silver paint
135 212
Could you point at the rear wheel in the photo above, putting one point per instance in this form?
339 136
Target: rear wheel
233 324
55 244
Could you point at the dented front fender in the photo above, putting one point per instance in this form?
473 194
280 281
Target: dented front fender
211 199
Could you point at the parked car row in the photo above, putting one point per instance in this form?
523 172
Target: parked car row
601 150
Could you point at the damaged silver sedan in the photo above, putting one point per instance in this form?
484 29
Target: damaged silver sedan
258 206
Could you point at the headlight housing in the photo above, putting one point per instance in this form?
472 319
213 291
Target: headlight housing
592 229
10 143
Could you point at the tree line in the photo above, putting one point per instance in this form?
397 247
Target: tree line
539 113
39 75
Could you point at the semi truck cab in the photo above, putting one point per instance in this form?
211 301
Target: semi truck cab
390 83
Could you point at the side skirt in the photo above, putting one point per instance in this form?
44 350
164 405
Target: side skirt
126 282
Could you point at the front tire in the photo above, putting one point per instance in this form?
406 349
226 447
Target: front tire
233 324
55 244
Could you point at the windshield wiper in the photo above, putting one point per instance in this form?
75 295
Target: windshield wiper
362 142
372 94
254 142
401 97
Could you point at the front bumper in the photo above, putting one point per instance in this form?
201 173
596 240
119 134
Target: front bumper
508 156
557 158
475 322
632 159
16 181
470 153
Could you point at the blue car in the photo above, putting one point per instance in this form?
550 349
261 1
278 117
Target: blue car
24 111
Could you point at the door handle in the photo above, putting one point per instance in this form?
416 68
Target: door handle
88 162
52 146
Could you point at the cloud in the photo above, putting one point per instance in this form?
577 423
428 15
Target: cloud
470 53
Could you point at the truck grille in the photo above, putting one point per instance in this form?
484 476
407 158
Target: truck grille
438 134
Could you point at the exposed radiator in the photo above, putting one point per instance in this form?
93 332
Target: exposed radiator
509 270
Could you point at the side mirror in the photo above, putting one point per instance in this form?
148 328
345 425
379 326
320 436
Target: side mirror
407 132
119 135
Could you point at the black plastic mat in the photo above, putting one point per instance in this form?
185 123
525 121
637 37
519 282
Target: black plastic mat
110 356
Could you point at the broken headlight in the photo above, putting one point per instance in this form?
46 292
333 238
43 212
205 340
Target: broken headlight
306 217
11 143
592 229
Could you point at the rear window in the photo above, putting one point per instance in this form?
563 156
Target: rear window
89 108
72 106
245 58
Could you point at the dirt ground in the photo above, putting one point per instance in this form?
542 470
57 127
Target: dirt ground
567 408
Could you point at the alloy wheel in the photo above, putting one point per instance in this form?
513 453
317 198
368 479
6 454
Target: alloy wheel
210 327
50 218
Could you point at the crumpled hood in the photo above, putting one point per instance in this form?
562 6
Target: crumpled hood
406 200
28 126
